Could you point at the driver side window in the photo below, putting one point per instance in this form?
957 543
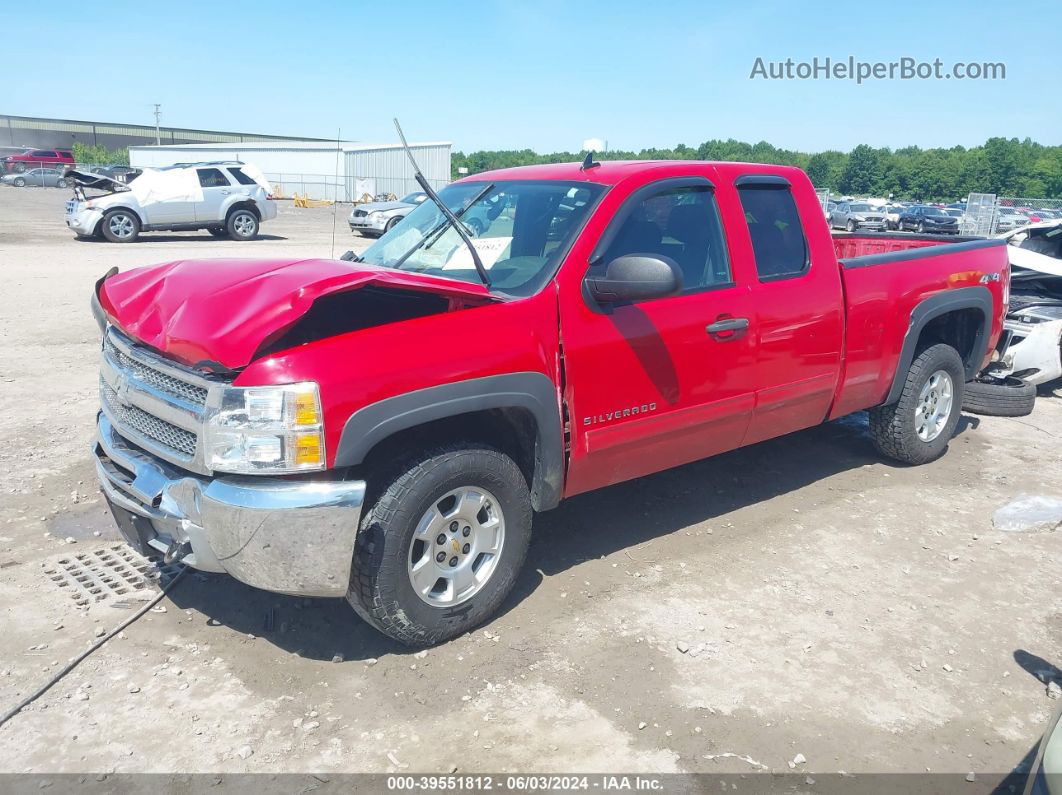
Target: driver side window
682 224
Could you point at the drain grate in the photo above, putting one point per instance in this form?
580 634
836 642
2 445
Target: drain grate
101 574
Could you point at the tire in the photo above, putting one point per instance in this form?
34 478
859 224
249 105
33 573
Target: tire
242 224
19 182
218 231
19 168
381 584
61 183
1006 397
851 226
391 224
475 226
120 226
921 228
896 428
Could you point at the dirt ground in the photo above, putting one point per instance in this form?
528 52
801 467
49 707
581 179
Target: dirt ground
797 597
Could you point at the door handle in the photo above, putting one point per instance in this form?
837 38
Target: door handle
226 192
729 326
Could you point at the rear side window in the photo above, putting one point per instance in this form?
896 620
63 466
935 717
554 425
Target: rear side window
242 178
212 178
43 153
777 236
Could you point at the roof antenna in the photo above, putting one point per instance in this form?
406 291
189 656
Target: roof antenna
589 162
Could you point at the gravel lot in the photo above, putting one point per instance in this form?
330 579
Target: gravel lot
797 597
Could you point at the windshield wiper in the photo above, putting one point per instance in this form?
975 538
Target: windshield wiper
458 226
432 235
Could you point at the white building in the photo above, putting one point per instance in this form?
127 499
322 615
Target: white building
321 170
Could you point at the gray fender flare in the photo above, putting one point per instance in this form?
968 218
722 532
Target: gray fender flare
535 392
933 307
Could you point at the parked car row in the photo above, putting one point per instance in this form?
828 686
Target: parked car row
871 214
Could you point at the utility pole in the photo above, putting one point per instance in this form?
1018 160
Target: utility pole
158 136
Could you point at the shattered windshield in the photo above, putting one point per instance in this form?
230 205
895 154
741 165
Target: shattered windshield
519 229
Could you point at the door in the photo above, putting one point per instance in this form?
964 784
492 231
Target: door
216 191
799 324
657 383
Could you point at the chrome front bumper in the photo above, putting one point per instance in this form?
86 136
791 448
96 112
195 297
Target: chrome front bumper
290 536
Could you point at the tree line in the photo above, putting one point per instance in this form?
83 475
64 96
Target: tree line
1003 166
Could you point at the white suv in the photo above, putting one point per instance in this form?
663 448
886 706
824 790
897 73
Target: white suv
225 198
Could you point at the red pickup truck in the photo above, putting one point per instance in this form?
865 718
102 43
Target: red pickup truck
384 428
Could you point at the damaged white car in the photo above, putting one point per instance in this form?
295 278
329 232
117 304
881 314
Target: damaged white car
1034 323
226 198
1029 352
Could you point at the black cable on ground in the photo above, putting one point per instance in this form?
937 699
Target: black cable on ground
84 655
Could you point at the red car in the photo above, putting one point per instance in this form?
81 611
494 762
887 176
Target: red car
39 158
384 429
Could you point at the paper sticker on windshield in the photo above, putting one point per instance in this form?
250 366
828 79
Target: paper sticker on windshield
490 250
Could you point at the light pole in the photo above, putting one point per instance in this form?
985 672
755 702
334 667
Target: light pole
158 136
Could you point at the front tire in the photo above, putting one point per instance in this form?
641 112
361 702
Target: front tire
61 183
916 428
242 224
442 545
120 226
851 226
19 183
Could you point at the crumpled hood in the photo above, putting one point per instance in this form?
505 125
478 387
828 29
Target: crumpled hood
221 312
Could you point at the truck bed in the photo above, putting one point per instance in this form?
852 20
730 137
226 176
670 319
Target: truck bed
849 245
884 283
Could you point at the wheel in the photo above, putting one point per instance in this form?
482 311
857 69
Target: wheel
475 226
441 547
1000 397
19 182
120 226
218 231
242 224
916 429
850 226
921 227
61 183
391 224
19 168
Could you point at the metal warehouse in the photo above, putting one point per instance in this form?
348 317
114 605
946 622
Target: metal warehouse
320 170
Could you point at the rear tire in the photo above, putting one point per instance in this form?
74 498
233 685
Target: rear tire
899 430
1007 397
242 224
120 226
413 524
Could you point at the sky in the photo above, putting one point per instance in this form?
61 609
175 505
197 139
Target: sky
544 75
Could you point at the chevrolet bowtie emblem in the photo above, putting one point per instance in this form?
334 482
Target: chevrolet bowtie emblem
455 545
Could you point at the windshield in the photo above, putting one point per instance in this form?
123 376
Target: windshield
519 229
413 198
859 208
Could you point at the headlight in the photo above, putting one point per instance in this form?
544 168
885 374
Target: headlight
267 429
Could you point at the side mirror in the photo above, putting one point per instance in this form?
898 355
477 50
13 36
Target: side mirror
636 276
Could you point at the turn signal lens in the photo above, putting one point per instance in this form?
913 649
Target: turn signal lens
308 450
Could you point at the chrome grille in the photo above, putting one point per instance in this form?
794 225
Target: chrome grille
168 435
196 395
